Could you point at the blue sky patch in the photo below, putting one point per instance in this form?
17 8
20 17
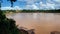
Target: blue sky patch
32 4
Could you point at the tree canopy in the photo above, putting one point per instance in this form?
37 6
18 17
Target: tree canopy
12 2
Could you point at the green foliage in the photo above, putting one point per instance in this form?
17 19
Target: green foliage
7 26
12 2
32 11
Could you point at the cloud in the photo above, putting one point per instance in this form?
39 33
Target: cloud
6 8
11 8
37 4
58 1
17 8
33 6
47 5
42 4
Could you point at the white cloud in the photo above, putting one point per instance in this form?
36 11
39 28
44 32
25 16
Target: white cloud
37 4
58 1
11 8
47 5
17 8
33 6
5 8
50 6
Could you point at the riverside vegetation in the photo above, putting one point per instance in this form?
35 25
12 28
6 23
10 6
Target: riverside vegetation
31 11
8 26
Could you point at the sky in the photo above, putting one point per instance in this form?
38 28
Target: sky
31 5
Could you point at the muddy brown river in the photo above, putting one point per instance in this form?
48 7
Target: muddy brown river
42 23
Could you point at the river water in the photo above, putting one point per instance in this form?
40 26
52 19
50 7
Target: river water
42 23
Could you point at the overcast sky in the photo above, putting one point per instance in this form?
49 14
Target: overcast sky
32 4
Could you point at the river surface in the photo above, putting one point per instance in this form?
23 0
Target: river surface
42 23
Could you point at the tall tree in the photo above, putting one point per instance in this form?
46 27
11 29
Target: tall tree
0 4
12 2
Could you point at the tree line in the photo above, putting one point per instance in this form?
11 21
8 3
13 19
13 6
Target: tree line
32 11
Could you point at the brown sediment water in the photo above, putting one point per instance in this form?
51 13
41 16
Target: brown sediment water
42 23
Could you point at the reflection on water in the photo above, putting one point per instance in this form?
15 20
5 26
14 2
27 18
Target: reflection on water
43 23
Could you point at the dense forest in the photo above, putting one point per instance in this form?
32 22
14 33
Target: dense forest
32 11
8 26
40 11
